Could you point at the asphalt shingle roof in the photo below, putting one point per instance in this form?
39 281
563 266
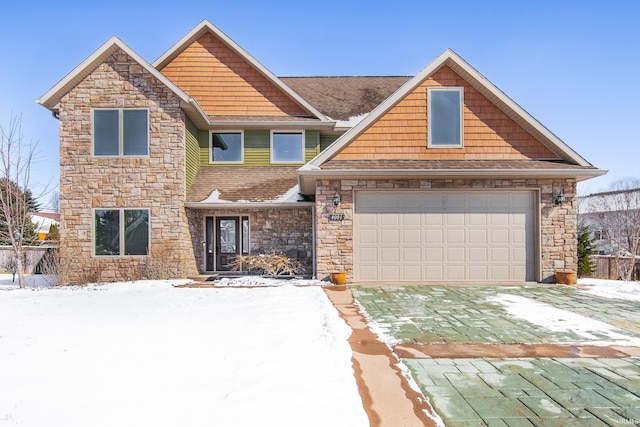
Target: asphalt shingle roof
344 97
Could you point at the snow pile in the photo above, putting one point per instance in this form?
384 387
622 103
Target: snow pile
259 281
559 320
150 354
612 288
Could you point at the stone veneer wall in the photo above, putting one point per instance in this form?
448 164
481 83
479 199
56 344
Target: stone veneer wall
287 230
558 224
156 182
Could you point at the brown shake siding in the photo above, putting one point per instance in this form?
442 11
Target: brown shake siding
223 83
488 132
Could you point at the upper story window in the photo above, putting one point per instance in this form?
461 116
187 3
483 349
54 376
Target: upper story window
227 147
445 116
121 232
120 132
287 147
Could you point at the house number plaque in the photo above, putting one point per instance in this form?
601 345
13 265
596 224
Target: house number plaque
336 217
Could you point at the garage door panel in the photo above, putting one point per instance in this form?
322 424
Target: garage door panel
411 236
434 255
455 272
404 235
434 237
499 236
367 255
389 236
455 254
477 235
479 254
455 236
435 219
390 219
390 272
411 273
412 254
478 272
389 254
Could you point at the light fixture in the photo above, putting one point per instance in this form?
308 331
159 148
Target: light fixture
558 197
336 199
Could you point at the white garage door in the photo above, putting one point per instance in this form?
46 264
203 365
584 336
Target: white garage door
433 236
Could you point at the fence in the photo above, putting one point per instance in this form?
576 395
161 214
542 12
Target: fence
608 267
32 257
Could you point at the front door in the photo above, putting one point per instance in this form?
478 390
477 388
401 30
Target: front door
227 242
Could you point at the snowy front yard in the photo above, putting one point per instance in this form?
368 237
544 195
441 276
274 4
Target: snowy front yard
150 354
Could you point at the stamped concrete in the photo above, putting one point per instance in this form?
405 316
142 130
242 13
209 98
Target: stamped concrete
479 365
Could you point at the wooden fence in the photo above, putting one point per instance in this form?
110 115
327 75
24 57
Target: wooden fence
32 258
608 267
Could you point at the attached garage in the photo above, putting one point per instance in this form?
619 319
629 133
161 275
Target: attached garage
438 236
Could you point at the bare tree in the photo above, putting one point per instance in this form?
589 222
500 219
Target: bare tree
617 213
16 158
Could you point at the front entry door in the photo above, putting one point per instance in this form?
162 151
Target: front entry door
227 241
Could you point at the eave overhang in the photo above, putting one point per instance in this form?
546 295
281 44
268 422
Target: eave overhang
307 176
246 205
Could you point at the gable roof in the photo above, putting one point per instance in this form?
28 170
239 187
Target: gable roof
207 27
51 99
478 82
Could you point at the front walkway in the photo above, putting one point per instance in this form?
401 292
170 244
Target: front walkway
483 357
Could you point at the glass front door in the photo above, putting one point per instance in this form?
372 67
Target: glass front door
225 238
227 241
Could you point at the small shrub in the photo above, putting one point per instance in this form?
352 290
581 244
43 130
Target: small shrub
161 262
272 264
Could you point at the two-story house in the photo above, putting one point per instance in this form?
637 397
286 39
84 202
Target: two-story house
204 154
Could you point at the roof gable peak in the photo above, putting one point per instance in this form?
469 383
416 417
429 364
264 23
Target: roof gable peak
480 83
207 27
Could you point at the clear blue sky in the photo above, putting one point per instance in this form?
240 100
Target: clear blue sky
573 65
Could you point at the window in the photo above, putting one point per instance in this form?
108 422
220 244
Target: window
121 232
227 147
121 132
287 147
445 116
598 235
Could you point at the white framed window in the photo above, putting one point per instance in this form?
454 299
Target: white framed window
226 147
445 112
287 146
121 232
598 235
120 132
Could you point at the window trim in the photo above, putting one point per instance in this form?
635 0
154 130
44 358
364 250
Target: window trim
226 162
121 235
120 133
292 131
430 90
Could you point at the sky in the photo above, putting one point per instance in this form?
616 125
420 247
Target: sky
571 64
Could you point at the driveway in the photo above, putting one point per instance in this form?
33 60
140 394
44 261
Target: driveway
514 356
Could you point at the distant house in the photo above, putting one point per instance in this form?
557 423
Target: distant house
205 154
613 218
42 222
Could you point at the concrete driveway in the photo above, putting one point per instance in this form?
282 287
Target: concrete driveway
514 356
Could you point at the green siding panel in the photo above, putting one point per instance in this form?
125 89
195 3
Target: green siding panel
257 144
327 140
192 151
312 144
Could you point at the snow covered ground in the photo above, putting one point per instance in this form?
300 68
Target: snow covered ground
149 354
612 288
